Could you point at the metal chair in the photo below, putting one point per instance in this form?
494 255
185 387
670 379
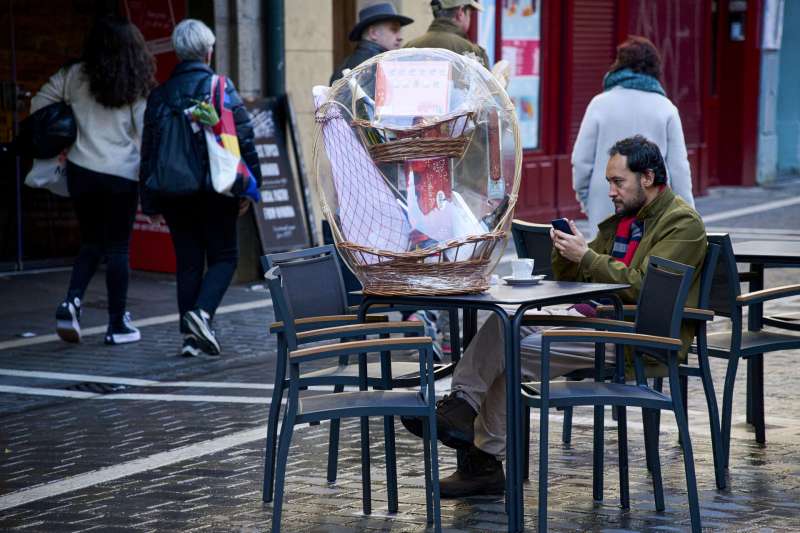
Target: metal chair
727 300
700 317
362 403
313 286
656 333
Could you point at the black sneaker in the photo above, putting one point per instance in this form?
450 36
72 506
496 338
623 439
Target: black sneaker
122 333
191 347
68 320
479 474
455 419
197 322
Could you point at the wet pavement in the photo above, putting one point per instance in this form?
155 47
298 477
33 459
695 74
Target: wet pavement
137 438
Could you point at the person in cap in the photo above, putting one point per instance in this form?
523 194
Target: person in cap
451 21
378 30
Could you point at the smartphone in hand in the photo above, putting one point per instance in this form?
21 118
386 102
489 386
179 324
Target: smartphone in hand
561 224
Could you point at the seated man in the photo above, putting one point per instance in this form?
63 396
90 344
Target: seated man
650 220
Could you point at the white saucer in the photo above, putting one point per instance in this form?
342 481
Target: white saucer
533 280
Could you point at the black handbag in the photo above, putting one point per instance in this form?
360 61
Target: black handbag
47 132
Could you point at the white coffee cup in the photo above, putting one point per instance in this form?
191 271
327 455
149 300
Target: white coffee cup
522 268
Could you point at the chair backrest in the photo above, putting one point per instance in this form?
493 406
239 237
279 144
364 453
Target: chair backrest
311 281
533 241
281 305
725 283
664 291
707 275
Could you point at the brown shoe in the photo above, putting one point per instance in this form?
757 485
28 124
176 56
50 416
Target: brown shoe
479 474
455 419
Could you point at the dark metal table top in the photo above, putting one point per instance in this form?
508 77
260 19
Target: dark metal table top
503 294
767 251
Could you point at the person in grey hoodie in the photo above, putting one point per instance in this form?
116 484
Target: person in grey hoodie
107 92
633 102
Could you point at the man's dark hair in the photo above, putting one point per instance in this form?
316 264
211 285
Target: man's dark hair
638 54
116 60
642 155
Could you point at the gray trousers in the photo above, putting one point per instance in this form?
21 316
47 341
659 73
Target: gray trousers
480 378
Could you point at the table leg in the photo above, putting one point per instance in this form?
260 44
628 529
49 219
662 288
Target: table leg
755 363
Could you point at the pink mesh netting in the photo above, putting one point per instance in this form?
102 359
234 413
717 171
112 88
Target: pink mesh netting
368 210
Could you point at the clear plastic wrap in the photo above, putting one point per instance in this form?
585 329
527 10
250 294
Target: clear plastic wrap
417 163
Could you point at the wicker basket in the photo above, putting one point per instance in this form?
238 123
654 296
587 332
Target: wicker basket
458 266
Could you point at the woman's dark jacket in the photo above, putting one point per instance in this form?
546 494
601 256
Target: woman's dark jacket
190 81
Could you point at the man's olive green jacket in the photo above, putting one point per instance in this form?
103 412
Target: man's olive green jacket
672 230
443 33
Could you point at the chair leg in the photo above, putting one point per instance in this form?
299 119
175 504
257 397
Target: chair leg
544 416
727 408
713 412
366 480
757 398
333 443
684 382
597 474
566 430
455 337
391 462
688 459
280 471
622 436
652 425
426 438
654 461
433 476
749 400
271 438
526 439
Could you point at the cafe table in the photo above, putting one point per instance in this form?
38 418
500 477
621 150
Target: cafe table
509 303
760 255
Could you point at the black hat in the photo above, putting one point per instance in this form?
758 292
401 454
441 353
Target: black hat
376 13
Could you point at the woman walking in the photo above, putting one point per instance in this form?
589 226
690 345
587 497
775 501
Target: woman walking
203 224
633 102
107 91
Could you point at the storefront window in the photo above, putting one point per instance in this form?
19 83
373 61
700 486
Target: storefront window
520 26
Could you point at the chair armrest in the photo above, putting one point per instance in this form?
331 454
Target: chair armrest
628 311
756 297
689 313
611 337
356 347
317 322
577 322
360 330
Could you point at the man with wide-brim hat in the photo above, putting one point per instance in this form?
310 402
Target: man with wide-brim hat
451 21
378 29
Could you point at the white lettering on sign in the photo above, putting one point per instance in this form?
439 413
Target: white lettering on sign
283 211
270 169
267 150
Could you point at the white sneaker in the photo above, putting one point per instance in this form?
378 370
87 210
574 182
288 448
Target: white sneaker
198 322
68 320
124 333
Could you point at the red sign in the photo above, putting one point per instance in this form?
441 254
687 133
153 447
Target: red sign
523 54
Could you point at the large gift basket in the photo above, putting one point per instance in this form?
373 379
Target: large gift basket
417 163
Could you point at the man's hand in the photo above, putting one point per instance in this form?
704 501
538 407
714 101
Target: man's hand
571 247
244 205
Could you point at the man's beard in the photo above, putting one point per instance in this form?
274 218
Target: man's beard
632 207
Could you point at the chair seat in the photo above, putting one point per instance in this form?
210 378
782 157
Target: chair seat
361 403
404 374
571 393
753 342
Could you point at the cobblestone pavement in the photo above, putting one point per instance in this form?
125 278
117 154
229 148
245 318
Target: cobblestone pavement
176 444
